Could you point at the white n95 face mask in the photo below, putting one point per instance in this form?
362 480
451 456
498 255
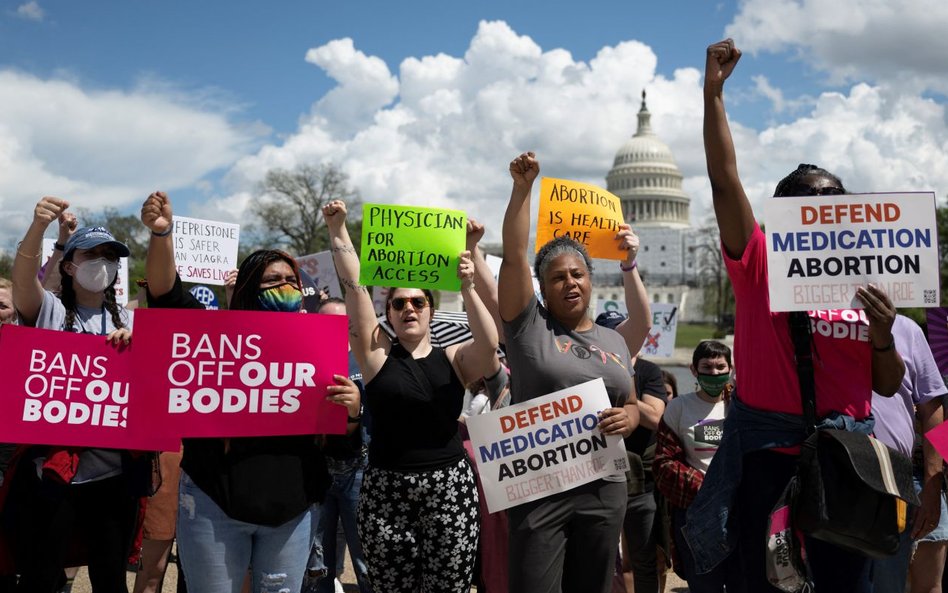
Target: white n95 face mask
95 275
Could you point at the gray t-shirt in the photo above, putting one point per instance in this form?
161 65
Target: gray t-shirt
94 464
545 357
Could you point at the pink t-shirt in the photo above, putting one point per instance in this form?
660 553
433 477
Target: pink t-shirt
763 350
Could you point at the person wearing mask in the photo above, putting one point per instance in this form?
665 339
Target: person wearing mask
688 436
765 426
60 495
566 541
244 502
418 512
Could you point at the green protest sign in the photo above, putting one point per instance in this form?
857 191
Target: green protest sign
411 246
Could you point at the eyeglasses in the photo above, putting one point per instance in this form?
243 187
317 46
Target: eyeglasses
417 303
809 190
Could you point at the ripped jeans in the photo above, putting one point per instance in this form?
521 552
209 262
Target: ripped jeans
216 551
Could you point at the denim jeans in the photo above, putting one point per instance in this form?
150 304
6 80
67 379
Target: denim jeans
216 551
341 503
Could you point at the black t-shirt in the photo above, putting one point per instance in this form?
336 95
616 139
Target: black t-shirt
648 381
261 480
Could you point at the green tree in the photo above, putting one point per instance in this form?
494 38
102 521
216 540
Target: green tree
289 209
6 265
712 277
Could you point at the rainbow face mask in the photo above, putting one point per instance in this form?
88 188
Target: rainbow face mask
282 298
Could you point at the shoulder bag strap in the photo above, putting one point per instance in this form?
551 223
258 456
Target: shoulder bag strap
802 339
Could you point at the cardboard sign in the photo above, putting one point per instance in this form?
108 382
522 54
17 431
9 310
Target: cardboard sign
938 337
240 373
821 249
411 247
69 389
121 280
547 445
205 250
661 338
322 270
588 214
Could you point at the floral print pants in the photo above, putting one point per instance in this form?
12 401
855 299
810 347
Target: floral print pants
419 530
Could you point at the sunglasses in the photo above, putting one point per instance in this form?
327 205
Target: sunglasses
807 190
417 303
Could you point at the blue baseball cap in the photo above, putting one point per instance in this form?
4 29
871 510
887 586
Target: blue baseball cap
90 237
610 319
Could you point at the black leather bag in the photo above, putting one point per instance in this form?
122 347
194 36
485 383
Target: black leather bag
852 491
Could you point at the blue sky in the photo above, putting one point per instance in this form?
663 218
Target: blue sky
110 100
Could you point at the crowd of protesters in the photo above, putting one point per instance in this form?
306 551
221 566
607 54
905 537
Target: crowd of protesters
399 489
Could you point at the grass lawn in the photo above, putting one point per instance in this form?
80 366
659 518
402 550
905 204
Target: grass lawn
689 334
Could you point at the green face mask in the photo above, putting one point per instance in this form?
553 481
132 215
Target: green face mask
713 385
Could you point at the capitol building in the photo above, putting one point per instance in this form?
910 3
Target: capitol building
647 179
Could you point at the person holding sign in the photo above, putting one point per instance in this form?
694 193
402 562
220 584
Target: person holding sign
566 541
853 355
86 494
418 511
245 501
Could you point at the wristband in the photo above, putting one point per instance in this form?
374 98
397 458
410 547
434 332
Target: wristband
355 419
885 348
164 233
59 246
630 268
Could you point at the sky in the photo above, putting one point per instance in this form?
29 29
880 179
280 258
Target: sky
426 103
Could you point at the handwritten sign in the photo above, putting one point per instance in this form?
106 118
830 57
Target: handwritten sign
322 270
240 373
205 250
411 247
661 338
547 445
821 249
68 389
938 337
588 214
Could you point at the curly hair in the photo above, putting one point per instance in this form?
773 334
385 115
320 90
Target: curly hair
789 183
555 248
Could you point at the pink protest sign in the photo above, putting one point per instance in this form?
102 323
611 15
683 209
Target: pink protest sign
938 437
938 336
61 388
240 373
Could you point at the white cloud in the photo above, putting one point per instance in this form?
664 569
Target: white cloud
458 121
101 148
444 136
31 11
902 44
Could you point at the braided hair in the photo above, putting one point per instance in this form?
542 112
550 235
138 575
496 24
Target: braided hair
789 183
67 294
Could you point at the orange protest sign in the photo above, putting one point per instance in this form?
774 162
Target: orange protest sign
587 213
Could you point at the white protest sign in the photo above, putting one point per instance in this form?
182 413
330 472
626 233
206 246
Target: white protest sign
205 250
121 281
661 338
547 445
322 270
820 249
